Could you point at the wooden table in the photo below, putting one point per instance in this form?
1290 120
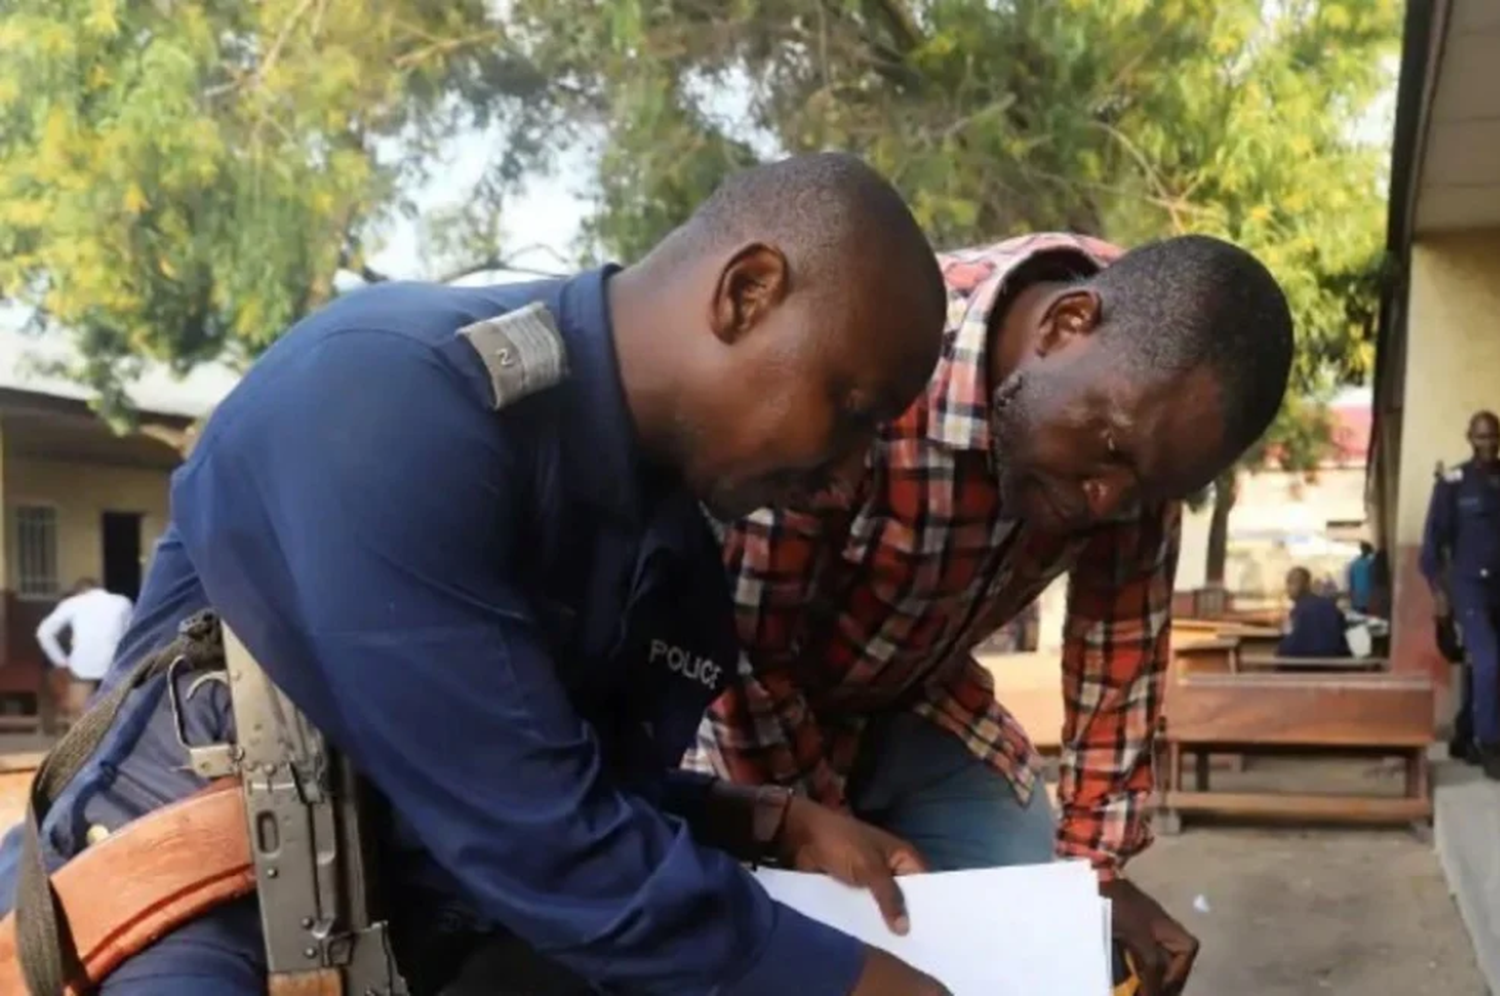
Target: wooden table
1355 714
1309 665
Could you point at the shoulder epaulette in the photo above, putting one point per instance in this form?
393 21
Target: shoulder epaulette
522 350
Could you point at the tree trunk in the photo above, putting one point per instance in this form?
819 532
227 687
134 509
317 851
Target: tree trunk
1226 490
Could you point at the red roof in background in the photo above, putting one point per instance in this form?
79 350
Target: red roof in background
1351 434
1351 422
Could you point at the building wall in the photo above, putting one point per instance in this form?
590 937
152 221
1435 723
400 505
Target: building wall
4 528
1285 519
1452 370
81 492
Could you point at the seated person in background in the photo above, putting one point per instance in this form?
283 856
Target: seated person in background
1315 627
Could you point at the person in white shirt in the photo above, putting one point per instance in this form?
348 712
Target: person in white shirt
96 619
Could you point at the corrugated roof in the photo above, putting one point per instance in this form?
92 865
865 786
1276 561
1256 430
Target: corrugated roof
23 357
1352 421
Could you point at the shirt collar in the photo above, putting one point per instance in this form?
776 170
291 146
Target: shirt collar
600 445
602 450
958 394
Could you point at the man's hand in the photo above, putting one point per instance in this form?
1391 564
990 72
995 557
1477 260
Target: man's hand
1441 607
815 838
1162 949
886 975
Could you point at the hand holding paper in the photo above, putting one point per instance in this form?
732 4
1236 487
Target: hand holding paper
816 838
1033 930
1161 947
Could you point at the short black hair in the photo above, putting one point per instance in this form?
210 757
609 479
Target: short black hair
1485 415
841 224
1193 301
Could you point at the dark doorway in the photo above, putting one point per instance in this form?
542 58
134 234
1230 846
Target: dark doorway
122 553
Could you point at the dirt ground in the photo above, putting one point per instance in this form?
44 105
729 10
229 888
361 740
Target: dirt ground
1294 911
12 799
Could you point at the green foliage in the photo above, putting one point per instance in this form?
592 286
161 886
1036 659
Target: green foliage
181 180
1132 119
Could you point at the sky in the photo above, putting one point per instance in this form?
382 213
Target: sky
543 223
547 215
550 211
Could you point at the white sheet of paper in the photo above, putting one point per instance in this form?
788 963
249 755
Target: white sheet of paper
1030 930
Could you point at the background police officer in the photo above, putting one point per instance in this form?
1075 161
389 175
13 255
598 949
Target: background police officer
1315 626
1461 561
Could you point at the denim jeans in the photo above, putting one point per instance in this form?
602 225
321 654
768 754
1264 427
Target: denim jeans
922 784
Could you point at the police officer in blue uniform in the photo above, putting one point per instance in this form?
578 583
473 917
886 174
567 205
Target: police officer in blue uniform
1316 627
1461 561
461 529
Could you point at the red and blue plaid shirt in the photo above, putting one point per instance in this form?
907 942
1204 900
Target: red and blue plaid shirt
879 606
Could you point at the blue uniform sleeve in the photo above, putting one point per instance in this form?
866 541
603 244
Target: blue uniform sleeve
1437 535
685 793
360 523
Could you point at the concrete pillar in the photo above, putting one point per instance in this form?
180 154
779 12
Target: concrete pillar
1452 368
5 571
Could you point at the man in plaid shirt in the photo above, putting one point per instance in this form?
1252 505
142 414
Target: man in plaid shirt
1081 394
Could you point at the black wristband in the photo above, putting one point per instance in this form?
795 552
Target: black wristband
769 816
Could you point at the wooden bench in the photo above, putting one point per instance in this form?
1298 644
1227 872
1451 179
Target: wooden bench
30 689
1235 653
1187 632
1263 618
1029 683
1361 714
1325 665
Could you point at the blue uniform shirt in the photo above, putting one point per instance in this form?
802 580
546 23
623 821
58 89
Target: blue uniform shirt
507 620
1317 629
1462 536
1361 582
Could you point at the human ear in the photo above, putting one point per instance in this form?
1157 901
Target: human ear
755 280
1071 317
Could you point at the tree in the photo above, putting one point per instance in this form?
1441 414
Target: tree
1132 119
181 180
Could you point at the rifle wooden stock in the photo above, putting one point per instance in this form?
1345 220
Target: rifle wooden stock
322 982
145 880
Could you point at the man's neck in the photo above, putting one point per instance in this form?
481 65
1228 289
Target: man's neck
646 383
